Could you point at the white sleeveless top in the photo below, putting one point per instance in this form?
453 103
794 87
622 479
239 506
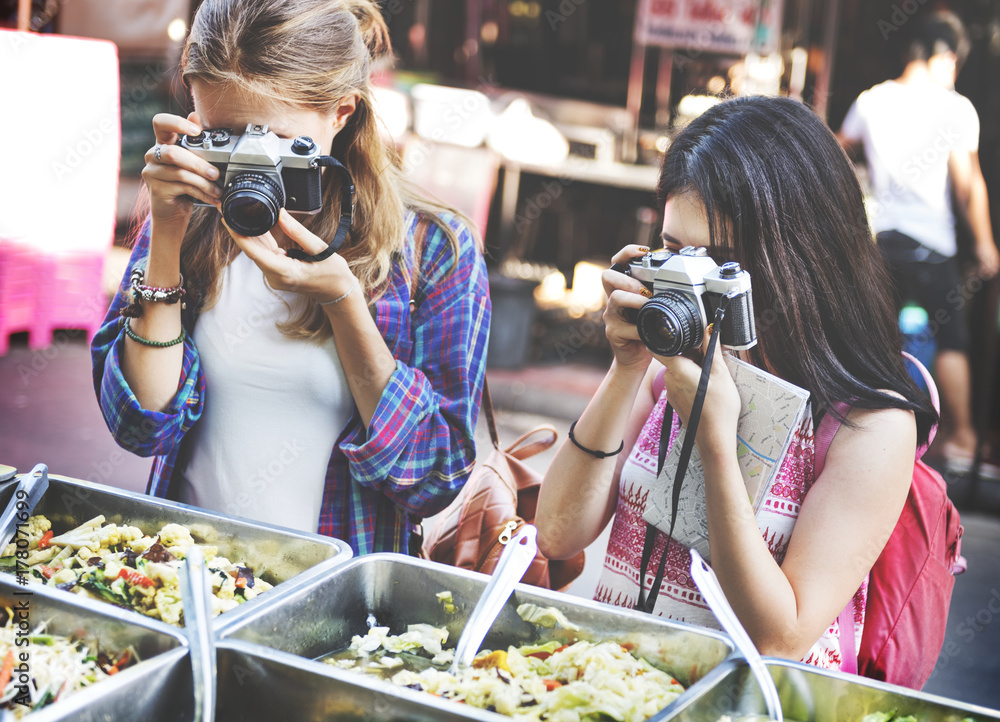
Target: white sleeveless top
274 407
679 598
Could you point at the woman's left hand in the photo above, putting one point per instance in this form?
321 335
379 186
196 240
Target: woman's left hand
721 410
323 280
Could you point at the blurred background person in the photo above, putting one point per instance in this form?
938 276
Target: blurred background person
921 140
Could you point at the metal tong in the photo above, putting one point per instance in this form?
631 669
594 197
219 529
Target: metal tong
196 591
708 585
514 562
26 496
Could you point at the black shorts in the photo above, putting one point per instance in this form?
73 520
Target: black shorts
932 281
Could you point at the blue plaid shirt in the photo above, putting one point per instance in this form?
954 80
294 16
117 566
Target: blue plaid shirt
418 450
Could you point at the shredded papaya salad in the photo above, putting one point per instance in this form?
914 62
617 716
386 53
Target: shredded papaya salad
124 566
59 666
550 681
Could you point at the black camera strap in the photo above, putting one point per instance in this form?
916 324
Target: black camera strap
346 213
645 603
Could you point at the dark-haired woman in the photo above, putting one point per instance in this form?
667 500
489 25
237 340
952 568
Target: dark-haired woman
761 181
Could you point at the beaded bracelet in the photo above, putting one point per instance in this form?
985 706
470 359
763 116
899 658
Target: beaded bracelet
592 452
155 344
154 294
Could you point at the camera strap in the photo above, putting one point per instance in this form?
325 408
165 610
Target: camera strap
346 213
646 603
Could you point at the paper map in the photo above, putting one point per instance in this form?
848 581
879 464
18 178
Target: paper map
772 409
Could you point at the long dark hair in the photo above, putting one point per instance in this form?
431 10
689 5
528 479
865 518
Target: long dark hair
782 199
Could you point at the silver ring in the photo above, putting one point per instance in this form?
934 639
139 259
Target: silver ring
156 152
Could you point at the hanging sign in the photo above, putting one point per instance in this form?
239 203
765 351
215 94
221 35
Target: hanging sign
712 26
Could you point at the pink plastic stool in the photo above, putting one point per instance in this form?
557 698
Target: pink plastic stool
19 283
81 302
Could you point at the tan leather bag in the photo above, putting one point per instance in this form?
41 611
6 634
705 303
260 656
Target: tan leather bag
499 498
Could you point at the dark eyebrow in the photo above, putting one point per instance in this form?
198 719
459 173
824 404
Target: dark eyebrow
668 240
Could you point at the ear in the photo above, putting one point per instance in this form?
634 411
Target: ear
345 109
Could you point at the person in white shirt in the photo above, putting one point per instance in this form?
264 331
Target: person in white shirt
921 140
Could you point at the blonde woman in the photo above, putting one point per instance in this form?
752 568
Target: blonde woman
313 395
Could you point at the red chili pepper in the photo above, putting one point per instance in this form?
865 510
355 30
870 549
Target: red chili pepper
551 684
540 655
241 582
565 646
46 539
46 571
7 670
135 578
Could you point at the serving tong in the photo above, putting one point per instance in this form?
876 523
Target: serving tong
708 584
29 490
514 561
196 591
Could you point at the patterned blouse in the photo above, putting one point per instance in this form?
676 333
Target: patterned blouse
679 598
418 450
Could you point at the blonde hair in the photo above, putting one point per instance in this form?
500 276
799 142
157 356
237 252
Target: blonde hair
308 54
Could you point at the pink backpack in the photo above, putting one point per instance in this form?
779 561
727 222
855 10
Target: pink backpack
910 585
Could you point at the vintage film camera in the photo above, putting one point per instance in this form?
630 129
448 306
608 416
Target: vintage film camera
260 173
687 287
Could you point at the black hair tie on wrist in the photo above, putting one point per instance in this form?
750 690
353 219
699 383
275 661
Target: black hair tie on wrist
592 452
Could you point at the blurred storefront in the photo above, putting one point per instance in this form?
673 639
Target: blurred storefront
545 119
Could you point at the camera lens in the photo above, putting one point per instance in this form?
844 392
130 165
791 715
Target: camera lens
251 202
670 324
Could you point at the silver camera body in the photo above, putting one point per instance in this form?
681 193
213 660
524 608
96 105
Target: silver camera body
687 288
260 173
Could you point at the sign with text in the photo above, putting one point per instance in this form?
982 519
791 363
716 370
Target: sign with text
712 26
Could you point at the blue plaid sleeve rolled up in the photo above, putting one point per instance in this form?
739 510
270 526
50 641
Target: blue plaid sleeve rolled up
146 433
419 448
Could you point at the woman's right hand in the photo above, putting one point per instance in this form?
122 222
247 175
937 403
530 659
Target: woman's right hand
177 175
626 296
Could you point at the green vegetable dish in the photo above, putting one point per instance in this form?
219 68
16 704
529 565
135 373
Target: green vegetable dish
59 667
549 681
124 566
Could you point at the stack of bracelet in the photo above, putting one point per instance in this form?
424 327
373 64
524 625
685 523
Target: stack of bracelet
153 294
150 293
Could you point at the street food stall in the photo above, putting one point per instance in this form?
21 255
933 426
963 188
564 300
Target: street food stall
336 637
92 577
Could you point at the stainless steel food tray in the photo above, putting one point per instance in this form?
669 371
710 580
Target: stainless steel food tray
254 684
276 554
810 694
261 684
321 616
160 648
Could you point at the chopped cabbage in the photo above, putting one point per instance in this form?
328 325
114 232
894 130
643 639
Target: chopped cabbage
579 681
548 617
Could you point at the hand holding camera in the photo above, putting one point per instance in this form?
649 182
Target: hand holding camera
687 287
682 292
248 176
176 177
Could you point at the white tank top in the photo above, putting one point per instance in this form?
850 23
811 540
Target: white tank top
274 407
